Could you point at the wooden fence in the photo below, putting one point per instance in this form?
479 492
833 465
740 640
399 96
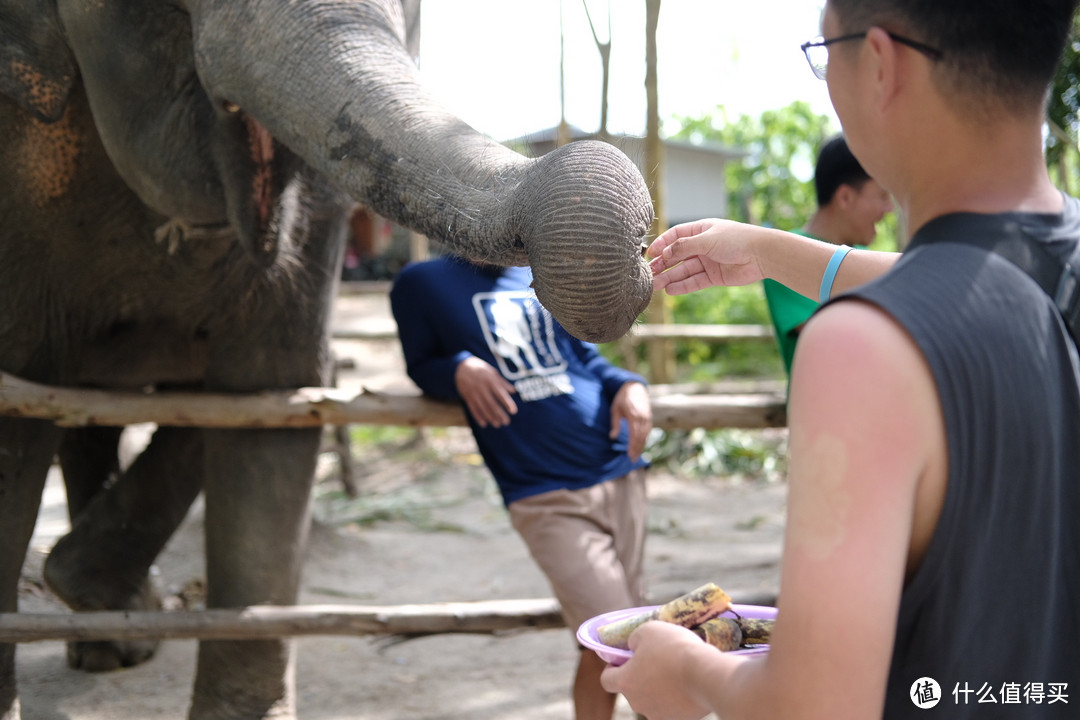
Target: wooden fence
641 333
718 405
266 621
673 407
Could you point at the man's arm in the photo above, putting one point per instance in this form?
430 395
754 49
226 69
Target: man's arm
428 362
697 255
628 393
632 404
442 370
853 503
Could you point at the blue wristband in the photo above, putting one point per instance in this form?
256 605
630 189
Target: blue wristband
830 273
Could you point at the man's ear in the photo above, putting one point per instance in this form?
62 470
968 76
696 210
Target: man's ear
881 54
844 196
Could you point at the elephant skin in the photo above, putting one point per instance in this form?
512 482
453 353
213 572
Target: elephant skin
176 179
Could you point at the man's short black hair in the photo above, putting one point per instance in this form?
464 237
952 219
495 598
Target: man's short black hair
998 54
836 166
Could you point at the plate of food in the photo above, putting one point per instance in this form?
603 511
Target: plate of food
708 611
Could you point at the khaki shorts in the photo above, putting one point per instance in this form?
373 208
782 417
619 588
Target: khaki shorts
589 543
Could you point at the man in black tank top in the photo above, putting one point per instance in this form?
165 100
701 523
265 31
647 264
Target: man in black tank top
936 564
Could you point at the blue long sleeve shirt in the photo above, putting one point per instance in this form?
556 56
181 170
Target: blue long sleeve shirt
448 310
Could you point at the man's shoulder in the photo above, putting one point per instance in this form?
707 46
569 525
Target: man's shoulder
858 344
424 267
423 272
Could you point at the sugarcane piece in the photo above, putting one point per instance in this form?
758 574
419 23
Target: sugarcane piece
721 632
617 634
755 631
695 607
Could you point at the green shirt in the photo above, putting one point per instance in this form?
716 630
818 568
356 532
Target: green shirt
789 310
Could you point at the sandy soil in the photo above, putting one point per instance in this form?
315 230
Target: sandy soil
428 527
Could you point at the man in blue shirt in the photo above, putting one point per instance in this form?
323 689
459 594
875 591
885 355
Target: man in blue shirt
560 428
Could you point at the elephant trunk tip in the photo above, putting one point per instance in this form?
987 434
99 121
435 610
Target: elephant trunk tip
589 213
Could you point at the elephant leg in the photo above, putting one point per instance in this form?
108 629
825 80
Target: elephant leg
27 448
104 562
258 492
89 460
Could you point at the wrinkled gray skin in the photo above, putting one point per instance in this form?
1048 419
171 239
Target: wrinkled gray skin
174 182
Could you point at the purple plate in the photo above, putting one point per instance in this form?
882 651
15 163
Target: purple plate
587 636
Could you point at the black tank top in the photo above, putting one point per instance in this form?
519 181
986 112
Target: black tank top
993 613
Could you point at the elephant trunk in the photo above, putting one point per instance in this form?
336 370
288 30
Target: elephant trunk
334 83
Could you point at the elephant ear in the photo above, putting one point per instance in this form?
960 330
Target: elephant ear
37 68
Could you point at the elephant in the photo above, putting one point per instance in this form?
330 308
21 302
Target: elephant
174 186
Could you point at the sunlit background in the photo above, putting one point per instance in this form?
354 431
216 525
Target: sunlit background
496 63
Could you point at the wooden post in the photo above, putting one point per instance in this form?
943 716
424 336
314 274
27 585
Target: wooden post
419 248
661 353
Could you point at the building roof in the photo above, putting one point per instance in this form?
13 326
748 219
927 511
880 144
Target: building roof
693 176
542 141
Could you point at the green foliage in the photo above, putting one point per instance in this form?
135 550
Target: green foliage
751 455
362 436
888 234
705 361
1063 116
722 305
773 184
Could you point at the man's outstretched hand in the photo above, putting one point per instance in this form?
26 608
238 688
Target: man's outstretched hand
696 255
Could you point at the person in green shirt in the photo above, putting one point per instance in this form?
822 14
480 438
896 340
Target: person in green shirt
850 204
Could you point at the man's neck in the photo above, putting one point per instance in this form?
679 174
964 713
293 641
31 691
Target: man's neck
824 226
1001 170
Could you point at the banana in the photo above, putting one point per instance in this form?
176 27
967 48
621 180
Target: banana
689 611
617 634
696 606
755 631
721 632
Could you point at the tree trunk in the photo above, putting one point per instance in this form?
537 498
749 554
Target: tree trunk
605 65
662 352
563 133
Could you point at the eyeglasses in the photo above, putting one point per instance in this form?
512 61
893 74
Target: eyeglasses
817 51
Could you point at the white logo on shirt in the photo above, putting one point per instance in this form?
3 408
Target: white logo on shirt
521 335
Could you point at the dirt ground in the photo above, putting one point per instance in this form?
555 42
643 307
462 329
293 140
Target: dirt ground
428 527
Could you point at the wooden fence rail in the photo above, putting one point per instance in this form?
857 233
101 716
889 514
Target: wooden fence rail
265 621
313 407
637 335
258 622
